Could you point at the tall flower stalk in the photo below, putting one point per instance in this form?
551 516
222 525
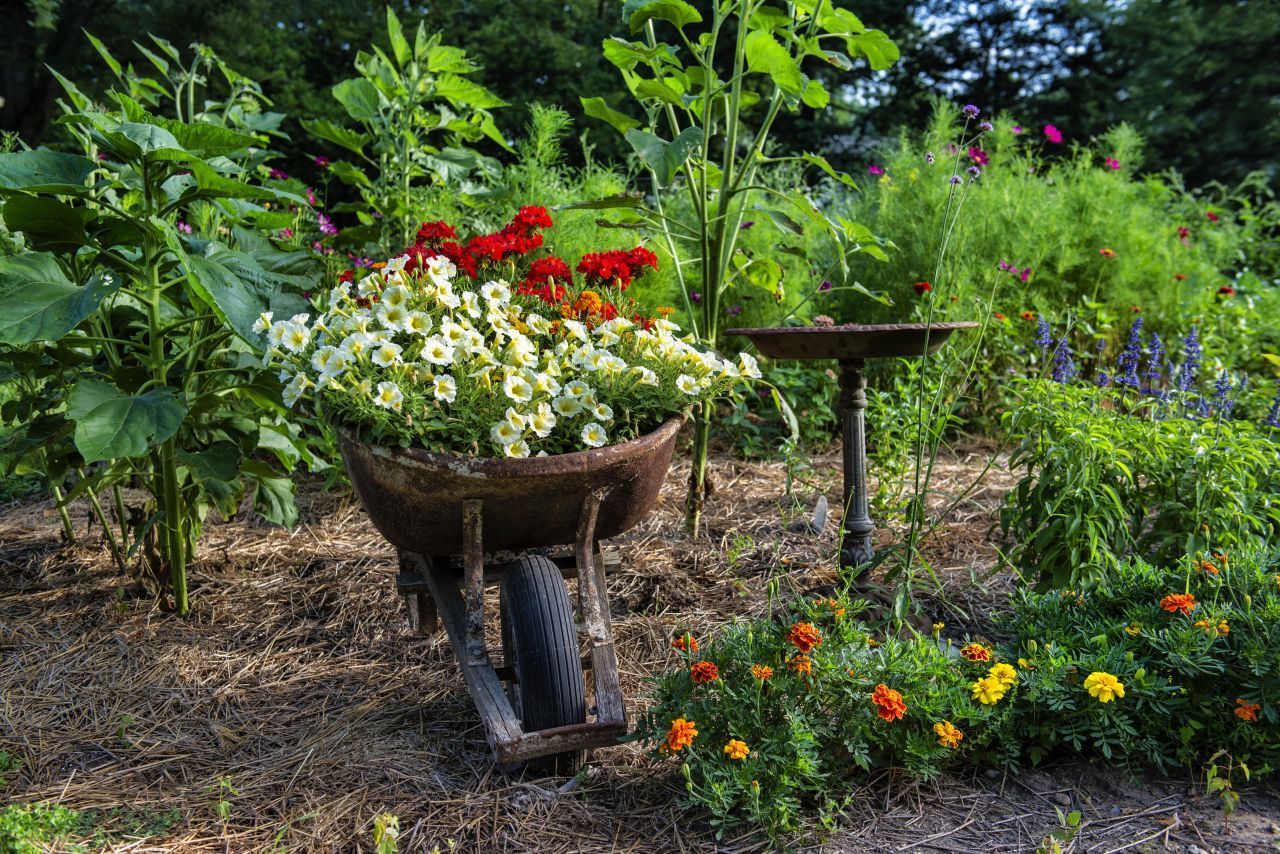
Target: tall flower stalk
705 133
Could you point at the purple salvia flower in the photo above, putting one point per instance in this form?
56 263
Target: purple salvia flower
1130 356
986 127
1102 380
1192 353
1273 415
1154 374
971 111
1223 400
1043 338
1064 367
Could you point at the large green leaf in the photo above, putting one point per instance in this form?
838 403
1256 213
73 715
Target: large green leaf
39 303
765 55
237 303
462 91
44 171
359 97
877 47
112 424
665 158
45 223
621 200
351 140
627 55
637 12
399 44
598 109
273 495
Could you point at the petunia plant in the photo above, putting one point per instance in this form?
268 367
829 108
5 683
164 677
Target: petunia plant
709 101
119 323
492 347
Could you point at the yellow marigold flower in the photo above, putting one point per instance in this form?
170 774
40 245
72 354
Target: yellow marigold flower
1104 686
1004 673
975 652
1246 711
736 749
948 735
1133 629
1223 628
1026 664
988 690
664 311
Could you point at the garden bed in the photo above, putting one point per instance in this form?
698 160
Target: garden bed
293 705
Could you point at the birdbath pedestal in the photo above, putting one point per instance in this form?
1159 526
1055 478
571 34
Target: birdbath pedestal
852 345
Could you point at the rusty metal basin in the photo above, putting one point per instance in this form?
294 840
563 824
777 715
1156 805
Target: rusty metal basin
852 341
414 496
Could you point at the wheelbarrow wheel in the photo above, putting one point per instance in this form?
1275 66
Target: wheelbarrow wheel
540 647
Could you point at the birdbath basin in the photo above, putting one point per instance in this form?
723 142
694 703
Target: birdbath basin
852 345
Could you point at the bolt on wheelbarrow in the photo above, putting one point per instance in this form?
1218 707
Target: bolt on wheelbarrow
461 524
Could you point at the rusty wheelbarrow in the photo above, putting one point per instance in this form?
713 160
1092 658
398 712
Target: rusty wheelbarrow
462 523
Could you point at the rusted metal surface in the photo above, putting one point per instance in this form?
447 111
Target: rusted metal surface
415 497
852 341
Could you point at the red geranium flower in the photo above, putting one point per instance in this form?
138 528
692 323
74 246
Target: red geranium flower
1226 291
434 232
922 288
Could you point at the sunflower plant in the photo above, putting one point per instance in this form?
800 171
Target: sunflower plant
492 347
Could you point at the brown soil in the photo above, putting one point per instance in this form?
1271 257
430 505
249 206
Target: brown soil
296 679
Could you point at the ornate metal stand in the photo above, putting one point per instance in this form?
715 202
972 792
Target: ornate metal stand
855 535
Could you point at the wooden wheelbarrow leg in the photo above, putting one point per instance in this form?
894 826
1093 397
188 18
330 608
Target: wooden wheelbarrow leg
594 604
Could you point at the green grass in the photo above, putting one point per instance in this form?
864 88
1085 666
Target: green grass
32 828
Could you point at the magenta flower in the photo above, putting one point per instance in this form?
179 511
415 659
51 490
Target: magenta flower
286 233
1112 163
327 226
322 162
183 227
278 174
874 170
978 156
1052 134
1017 129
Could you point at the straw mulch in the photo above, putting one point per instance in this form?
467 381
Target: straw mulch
296 681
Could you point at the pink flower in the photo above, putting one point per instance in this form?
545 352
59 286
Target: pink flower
322 162
978 156
1052 134
1112 163
278 174
874 170
1213 217
286 233
1017 129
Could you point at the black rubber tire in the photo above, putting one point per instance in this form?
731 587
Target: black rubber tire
540 644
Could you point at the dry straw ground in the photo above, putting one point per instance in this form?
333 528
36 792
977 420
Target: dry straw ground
296 680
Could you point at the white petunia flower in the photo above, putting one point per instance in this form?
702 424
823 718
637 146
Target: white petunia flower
394 317
469 304
275 335
454 334
263 323
397 295
542 421
748 365
518 389
396 265
441 268
294 390
515 418
566 407
322 357
386 354
687 384
419 323
577 388
444 388
518 449
495 292
545 384
355 343
593 435
602 411
389 396
647 377
296 337
504 434
437 352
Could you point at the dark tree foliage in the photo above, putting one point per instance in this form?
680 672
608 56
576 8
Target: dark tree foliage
1200 78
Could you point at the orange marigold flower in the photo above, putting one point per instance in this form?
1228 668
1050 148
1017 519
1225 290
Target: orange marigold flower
1246 711
761 672
801 664
681 735
948 734
685 643
1223 628
1107 252
1028 315
804 637
976 652
703 672
835 606
664 311
736 749
1206 566
888 703
1179 603
588 302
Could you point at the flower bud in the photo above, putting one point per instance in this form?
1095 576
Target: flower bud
1140 674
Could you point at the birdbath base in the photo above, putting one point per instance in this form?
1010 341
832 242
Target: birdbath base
852 345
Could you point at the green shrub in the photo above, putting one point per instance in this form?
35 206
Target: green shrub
1193 682
1105 473
809 726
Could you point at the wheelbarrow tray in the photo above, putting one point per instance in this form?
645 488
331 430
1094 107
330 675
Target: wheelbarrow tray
414 497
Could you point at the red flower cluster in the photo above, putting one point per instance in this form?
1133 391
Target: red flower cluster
616 267
434 233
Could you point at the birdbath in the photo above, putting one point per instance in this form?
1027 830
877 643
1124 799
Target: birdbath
852 345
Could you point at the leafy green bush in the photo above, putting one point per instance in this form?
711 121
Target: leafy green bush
771 718
1194 682
1106 474
119 324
